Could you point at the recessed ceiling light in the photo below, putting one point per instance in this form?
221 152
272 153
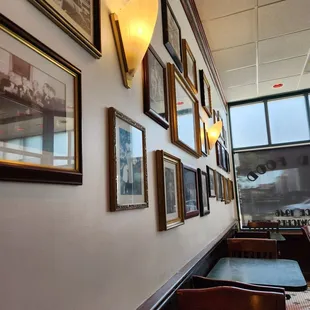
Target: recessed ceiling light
277 85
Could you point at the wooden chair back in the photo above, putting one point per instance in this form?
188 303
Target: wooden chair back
264 225
253 234
306 232
252 248
227 298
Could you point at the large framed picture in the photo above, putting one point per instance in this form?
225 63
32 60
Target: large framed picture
170 191
205 93
190 67
184 114
40 119
219 186
203 137
127 162
211 182
190 188
80 19
172 34
203 193
155 88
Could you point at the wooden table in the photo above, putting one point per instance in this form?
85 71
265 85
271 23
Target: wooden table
277 236
271 272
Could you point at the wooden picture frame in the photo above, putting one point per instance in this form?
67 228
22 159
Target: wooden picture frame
218 153
214 117
219 186
190 67
155 98
203 193
205 94
190 192
227 162
170 196
172 41
180 110
223 188
87 34
211 182
231 188
203 137
223 158
226 191
42 91
128 174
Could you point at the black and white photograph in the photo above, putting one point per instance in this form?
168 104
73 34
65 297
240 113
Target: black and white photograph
211 182
155 88
205 92
190 67
128 166
171 190
203 193
190 187
219 186
218 152
204 145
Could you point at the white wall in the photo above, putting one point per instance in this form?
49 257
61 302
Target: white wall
60 248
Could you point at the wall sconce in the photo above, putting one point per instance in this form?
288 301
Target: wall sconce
214 132
133 29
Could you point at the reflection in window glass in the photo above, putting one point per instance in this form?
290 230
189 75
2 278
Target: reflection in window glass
274 185
248 124
288 120
60 162
72 143
32 160
61 144
33 144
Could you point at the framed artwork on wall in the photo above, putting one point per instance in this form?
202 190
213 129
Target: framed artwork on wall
219 186
204 143
214 117
231 190
40 95
190 67
190 188
218 153
155 88
226 191
223 158
127 162
184 114
211 182
172 34
203 193
205 93
170 191
79 19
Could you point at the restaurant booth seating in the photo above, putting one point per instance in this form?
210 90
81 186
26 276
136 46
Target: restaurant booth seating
252 234
306 232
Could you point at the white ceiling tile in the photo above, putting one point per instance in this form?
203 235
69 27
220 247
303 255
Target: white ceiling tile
281 69
292 45
242 92
236 57
304 82
232 30
289 84
307 68
209 9
265 2
239 77
283 17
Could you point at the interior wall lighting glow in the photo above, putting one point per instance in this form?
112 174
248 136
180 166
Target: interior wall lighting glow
133 29
214 133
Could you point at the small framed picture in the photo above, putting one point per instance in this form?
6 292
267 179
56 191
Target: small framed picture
40 96
231 190
223 187
203 193
226 191
205 93
211 182
172 34
218 152
227 162
170 191
184 114
214 117
155 88
204 142
223 158
190 188
219 186
80 19
190 67
128 163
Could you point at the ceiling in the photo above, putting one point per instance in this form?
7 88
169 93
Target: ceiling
257 44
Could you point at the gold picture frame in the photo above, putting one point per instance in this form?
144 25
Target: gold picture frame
205 92
190 67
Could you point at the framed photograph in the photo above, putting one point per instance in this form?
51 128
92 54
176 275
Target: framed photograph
205 93
204 143
40 96
127 162
172 34
184 114
190 189
223 158
155 88
226 191
231 190
218 153
227 161
170 191
219 186
190 67
211 182
203 193
80 19
214 117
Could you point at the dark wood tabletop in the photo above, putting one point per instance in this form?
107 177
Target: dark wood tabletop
272 272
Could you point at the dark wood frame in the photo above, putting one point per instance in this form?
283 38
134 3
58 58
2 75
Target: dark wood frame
187 51
214 116
223 158
165 6
200 184
203 135
93 48
113 157
223 188
218 153
231 186
214 181
161 156
164 122
219 186
174 74
191 213
226 191
35 173
203 82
